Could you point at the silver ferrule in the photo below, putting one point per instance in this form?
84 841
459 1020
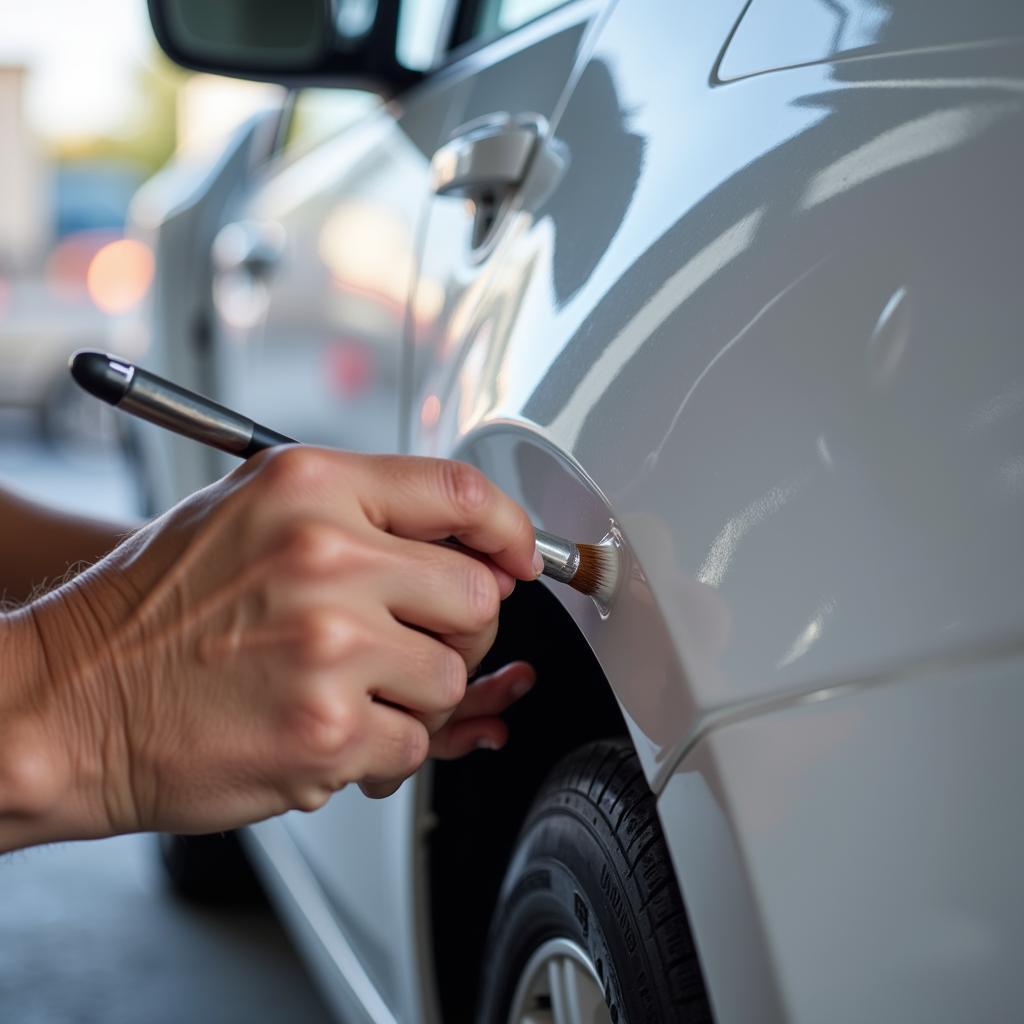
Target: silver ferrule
561 557
175 409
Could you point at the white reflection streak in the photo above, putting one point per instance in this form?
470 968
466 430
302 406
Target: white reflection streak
826 456
723 547
1009 403
1012 473
673 293
808 636
652 458
904 144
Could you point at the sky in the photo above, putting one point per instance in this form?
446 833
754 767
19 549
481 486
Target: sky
83 54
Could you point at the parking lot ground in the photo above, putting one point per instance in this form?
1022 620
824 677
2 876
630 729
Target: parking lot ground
89 932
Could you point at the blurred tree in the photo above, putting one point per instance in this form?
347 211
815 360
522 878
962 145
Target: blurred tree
149 135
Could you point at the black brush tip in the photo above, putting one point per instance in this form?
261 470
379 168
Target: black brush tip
101 375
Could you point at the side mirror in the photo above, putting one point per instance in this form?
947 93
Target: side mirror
293 42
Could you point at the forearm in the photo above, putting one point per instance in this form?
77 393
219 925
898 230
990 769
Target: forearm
51 779
29 774
39 544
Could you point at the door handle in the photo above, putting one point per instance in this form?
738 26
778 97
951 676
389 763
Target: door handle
487 159
252 247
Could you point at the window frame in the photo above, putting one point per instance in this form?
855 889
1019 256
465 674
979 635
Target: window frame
463 42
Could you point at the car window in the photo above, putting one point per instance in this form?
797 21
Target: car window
319 114
496 17
424 27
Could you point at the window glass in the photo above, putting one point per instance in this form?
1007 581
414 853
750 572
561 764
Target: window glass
423 27
319 114
499 16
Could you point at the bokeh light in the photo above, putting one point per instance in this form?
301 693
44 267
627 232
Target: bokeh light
119 275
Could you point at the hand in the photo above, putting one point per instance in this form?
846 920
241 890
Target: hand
280 634
475 723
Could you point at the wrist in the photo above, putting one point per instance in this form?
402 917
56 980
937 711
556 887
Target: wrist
32 777
56 734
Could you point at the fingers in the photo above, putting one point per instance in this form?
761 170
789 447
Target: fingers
396 746
492 694
475 724
457 739
430 499
472 647
417 672
441 589
506 582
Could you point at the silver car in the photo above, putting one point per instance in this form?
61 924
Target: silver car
740 284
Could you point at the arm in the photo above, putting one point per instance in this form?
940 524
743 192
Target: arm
287 631
38 544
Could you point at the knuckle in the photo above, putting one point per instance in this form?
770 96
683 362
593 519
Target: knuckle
309 545
292 469
325 636
483 598
310 798
325 725
463 486
453 679
413 748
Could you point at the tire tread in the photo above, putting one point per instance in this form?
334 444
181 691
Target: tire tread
617 802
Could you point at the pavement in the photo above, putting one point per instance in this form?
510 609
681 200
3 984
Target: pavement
90 932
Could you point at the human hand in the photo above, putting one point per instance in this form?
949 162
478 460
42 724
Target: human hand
475 724
284 632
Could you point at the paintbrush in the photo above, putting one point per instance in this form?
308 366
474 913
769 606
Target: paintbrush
589 568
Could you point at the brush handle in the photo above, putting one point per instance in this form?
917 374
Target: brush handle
149 397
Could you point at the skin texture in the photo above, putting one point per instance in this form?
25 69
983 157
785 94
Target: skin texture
287 631
38 545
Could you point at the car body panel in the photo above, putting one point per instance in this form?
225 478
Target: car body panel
854 856
789 368
761 314
794 393
777 34
323 321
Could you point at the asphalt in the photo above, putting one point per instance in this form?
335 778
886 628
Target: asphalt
90 932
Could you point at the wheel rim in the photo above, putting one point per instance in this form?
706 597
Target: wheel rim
559 985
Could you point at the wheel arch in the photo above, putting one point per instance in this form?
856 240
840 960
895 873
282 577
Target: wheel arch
475 806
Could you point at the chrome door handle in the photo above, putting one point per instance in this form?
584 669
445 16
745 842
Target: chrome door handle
487 158
253 247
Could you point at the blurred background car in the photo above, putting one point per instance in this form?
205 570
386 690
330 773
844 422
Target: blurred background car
64 267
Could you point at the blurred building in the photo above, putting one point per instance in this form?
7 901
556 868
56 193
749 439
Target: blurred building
24 179
211 107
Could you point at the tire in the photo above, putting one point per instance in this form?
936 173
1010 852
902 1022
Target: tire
590 881
211 870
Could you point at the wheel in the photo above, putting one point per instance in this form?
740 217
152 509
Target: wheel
211 870
590 926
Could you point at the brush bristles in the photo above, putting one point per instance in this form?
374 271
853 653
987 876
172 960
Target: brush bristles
598 570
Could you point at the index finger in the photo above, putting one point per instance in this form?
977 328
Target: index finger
432 499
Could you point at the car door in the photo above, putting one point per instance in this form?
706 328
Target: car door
325 253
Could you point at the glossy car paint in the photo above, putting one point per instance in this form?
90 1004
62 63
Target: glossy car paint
770 326
758 305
